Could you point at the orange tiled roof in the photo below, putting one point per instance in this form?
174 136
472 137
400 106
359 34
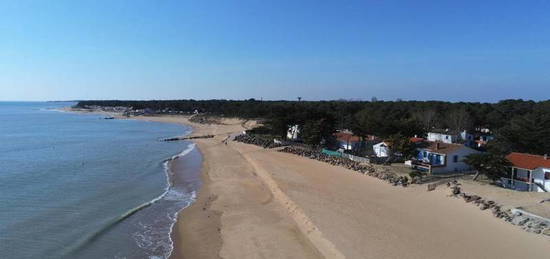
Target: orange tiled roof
347 137
416 140
443 148
528 161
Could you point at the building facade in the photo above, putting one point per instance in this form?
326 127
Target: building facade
528 173
439 157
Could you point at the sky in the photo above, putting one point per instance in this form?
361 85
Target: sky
481 51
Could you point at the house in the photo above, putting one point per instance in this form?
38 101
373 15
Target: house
293 132
347 141
451 137
528 173
382 149
483 139
440 157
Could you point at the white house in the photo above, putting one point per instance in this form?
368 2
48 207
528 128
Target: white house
381 149
293 132
441 157
528 173
450 137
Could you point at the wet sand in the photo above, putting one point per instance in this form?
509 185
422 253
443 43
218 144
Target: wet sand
258 203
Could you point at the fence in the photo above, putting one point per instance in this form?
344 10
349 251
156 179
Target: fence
515 185
331 153
344 155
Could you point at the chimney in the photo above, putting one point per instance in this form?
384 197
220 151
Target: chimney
437 146
545 156
416 136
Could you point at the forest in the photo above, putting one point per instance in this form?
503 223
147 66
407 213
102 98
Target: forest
518 125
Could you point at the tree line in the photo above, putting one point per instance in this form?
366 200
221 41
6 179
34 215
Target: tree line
518 125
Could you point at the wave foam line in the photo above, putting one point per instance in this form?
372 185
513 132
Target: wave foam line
93 236
169 179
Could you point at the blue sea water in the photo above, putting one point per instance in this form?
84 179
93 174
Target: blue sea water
79 186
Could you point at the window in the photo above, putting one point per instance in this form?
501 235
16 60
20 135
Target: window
547 176
439 160
455 159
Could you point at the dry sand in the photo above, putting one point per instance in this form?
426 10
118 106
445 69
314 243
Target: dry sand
258 203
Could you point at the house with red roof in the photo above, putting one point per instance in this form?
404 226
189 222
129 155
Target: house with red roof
347 141
528 173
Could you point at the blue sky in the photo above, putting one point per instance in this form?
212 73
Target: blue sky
422 50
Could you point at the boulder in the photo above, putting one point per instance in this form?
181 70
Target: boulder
455 190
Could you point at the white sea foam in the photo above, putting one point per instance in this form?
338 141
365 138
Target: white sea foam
152 238
186 151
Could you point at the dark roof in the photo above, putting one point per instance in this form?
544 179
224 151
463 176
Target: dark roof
528 161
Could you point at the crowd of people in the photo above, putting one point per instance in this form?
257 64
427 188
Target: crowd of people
362 168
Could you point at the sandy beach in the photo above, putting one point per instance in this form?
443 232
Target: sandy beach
282 129
259 203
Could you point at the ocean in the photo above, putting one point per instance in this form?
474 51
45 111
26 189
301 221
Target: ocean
80 186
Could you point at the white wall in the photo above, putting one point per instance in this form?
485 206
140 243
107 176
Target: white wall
458 166
381 150
445 138
546 182
538 177
293 132
345 145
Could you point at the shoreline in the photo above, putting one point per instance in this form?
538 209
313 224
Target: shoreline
184 233
172 169
206 228
200 236
177 238
255 202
